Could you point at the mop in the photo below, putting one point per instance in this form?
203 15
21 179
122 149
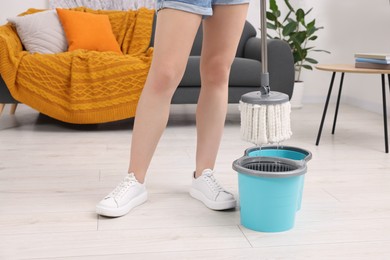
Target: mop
265 114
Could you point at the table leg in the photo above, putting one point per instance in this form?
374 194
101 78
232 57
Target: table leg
388 78
13 109
338 103
325 108
1 107
385 113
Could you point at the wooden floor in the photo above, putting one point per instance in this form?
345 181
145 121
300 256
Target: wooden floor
52 174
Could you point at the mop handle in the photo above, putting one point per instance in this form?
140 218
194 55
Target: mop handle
264 84
263 26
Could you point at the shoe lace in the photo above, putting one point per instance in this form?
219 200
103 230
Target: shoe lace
123 187
212 182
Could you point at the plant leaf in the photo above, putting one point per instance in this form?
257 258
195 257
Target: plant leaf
322 51
311 31
311 24
270 16
289 28
308 67
271 26
310 60
273 6
299 37
300 16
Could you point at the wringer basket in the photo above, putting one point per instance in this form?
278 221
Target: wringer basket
269 189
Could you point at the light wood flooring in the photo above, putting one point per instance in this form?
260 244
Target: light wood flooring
52 174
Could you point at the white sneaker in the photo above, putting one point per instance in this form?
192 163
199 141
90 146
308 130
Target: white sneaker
206 189
126 196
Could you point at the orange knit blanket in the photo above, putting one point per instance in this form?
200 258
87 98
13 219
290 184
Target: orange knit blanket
82 87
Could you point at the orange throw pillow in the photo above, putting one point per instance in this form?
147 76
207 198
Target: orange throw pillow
88 31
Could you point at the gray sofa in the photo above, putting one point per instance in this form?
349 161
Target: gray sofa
245 72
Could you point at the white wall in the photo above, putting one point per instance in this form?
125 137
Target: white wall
351 26
10 8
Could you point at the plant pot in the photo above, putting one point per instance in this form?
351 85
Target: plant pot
296 99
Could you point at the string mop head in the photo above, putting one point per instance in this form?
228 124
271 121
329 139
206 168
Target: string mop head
265 117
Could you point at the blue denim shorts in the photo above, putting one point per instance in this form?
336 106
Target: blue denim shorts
202 7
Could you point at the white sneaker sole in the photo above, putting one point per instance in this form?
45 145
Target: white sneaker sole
215 205
118 212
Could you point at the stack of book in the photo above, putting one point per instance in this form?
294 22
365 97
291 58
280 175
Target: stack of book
372 61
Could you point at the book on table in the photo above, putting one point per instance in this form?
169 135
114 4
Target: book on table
368 65
370 60
380 56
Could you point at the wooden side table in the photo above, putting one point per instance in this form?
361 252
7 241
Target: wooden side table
350 68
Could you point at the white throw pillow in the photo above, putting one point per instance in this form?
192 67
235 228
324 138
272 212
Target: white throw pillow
41 32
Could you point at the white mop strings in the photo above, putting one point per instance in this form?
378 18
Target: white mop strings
264 124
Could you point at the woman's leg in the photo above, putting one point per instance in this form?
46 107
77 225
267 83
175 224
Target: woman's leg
221 35
175 33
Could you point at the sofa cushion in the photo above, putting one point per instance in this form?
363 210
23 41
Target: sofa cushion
40 32
88 31
244 72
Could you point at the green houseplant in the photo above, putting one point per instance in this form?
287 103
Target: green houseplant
296 31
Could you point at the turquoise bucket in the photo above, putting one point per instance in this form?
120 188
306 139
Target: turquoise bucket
268 192
288 152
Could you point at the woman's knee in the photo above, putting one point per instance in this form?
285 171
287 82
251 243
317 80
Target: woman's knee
215 71
164 79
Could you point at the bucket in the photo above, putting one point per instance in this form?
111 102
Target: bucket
268 191
288 152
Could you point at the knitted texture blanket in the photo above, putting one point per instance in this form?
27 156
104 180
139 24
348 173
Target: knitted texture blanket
82 87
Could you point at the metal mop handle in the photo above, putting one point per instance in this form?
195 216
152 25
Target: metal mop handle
264 78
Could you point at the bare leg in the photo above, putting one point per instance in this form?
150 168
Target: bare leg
175 33
221 35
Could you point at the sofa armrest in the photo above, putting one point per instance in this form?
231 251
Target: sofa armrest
280 63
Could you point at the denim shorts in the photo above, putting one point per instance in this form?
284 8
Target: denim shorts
202 7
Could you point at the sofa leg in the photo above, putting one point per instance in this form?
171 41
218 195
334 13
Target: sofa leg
13 109
1 107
